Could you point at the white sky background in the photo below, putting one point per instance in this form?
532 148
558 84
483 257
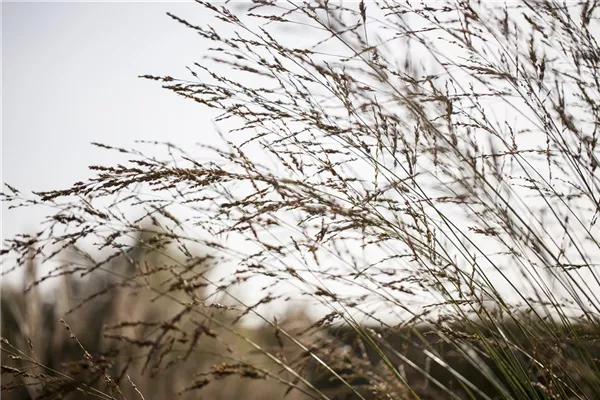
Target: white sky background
69 76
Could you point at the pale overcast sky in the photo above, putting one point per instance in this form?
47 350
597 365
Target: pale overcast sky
69 76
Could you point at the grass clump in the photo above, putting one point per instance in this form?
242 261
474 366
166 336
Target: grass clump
424 175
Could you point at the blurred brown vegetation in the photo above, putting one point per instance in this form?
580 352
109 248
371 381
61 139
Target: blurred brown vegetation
104 314
117 333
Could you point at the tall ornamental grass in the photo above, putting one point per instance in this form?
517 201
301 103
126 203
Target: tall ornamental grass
420 176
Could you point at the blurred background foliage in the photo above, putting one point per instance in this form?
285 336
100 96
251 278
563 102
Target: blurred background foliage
115 328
